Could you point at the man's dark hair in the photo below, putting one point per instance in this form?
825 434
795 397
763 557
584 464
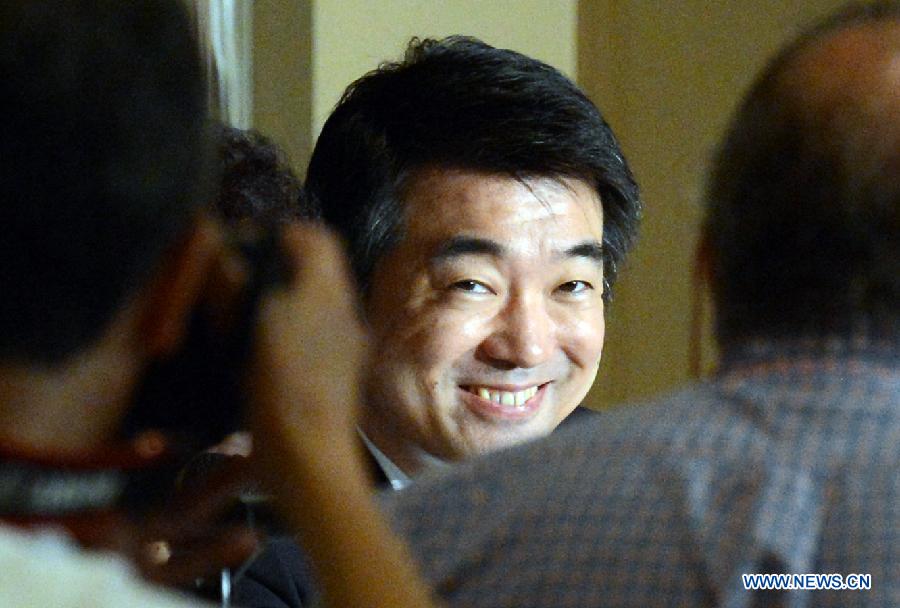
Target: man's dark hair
257 183
102 157
460 103
803 216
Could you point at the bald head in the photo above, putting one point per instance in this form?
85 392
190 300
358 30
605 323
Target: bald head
844 65
846 87
804 202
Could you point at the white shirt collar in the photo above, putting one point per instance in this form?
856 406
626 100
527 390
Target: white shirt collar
397 478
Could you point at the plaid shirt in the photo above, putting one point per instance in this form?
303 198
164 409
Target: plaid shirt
785 462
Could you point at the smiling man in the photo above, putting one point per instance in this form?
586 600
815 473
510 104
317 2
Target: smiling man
486 204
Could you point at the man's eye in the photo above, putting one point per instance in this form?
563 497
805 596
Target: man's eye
471 286
574 287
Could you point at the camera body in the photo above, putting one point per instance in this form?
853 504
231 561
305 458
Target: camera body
197 396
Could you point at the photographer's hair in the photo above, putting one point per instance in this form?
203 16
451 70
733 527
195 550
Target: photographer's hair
803 217
102 162
460 103
256 182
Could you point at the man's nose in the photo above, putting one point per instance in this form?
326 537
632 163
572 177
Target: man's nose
524 334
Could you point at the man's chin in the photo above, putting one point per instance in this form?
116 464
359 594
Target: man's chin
490 443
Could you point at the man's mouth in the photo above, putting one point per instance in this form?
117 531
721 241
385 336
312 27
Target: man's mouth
503 397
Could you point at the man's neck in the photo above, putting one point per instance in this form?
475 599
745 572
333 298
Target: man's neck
410 459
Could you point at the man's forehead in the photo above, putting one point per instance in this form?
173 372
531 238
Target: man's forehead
459 201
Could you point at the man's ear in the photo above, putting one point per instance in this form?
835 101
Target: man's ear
176 289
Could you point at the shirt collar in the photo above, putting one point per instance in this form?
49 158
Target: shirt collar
396 477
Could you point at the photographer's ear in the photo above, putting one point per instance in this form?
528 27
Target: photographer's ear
178 286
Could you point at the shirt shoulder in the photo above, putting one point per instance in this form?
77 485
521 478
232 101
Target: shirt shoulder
43 568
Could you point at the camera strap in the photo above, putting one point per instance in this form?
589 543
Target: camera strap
78 490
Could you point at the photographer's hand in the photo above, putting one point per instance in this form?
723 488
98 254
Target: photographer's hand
188 539
305 387
198 539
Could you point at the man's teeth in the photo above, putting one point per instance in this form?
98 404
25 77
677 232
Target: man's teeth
517 398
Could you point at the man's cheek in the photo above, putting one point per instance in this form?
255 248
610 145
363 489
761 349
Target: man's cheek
585 341
445 337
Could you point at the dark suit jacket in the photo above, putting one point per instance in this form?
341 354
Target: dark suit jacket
282 576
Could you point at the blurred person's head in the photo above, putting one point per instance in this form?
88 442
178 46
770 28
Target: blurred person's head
257 182
803 224
487 208
103 164
257 188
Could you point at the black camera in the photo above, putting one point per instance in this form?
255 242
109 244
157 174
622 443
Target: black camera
197 396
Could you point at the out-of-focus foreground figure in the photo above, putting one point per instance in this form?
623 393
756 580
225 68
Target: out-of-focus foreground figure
107 251
103 167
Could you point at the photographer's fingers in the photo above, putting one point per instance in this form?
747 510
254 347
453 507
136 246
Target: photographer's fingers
308 362
205 495
193 536
311 345
204 557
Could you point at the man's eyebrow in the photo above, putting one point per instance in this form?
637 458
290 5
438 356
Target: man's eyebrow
466 245
592 250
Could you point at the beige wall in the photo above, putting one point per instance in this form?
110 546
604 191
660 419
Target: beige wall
282 70
307 51
667 75
354 36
